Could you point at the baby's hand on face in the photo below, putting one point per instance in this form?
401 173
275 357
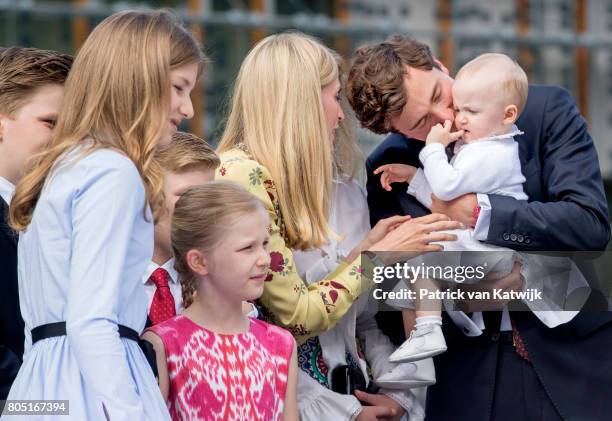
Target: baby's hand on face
395 173
442 134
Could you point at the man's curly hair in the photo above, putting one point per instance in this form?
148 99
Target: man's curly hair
375 87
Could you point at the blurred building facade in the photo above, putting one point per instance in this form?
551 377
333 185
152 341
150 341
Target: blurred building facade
561 42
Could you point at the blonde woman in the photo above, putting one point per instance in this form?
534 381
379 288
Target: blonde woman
278 144
355 344
86 224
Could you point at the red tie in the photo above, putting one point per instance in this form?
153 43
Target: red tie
519 345
162 306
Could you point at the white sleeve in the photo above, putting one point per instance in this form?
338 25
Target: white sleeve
480 170
320 269
378 348
109 201
316 402
412 400
27 328
481 230
420 188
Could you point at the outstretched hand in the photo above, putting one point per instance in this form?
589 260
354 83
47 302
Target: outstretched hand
416 236
395 173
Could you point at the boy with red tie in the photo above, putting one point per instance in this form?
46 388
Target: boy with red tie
188 161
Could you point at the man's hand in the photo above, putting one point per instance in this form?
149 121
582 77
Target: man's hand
395 173
460 209
511 282
393 412
442 134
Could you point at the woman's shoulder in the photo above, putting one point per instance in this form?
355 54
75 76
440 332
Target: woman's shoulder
90 161
104 165
238 161
107 160
237 165
81 168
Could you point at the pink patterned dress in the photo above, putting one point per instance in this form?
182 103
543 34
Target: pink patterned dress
226 377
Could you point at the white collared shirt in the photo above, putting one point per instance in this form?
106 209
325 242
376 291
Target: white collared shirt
174 284
6 190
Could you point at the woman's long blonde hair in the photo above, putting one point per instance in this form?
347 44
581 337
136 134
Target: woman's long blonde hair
277 113
118 95
201 216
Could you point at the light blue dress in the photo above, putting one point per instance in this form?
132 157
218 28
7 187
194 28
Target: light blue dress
80 261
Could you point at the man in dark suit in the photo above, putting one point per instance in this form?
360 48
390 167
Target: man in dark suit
517 368
31 91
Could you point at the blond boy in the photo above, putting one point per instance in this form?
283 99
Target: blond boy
188 161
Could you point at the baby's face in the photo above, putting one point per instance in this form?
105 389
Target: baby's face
478 111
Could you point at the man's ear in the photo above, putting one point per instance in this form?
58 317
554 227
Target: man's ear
510 114
197 262
442 67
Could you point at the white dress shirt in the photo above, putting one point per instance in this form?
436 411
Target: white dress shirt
174 284
6 190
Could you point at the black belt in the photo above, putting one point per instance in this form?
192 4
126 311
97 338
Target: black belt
51 330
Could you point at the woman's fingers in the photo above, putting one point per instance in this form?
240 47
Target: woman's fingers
443 226
439 237
397 219
433 247
391 223
433 217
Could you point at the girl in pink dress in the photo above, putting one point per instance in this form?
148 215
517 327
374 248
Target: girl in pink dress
214 362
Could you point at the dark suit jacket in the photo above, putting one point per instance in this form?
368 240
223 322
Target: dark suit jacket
567 210
11 323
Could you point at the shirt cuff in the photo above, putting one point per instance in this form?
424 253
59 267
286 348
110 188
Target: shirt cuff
481 230
417 182
429 150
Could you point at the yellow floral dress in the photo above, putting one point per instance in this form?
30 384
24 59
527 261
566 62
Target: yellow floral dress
305 310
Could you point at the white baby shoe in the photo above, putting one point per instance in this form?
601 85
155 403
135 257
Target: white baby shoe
408 375
425 342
